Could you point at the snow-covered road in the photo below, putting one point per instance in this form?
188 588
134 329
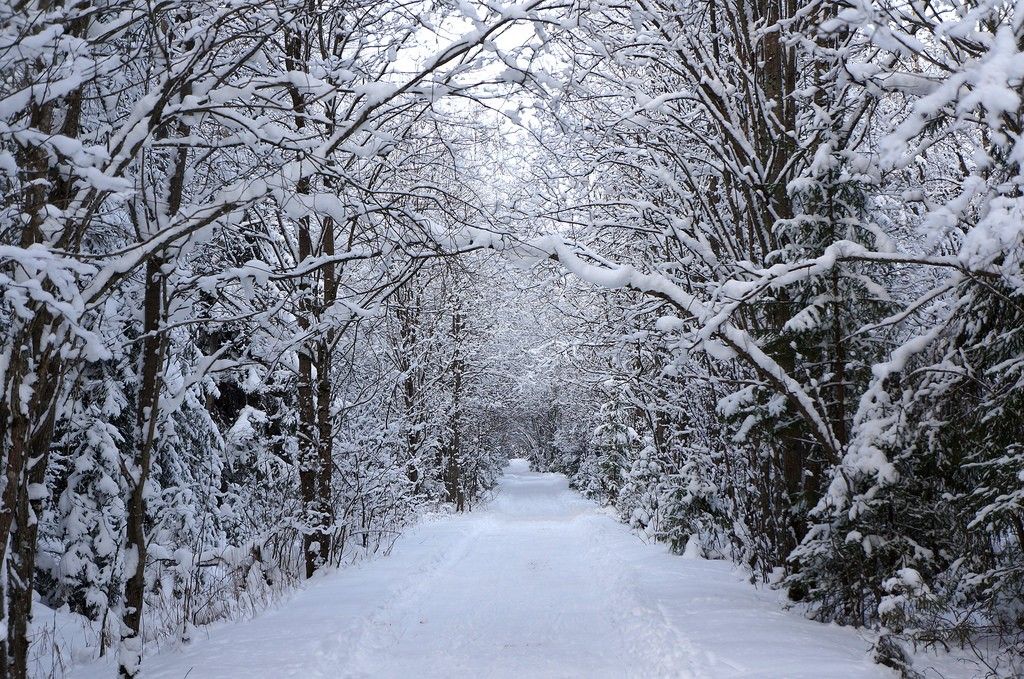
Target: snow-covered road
540 583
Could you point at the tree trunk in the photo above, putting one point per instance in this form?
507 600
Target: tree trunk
407 337
315 454
324 397
24 530
34 359
315 542
453 470
147 417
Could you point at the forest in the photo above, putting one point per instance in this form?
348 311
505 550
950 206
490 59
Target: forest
279 277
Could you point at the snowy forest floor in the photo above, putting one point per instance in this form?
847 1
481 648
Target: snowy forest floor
539 583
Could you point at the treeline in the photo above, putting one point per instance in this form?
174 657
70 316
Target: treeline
815 364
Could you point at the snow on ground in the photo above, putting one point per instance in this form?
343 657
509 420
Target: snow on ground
540 583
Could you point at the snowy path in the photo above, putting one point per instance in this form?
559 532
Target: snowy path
540 583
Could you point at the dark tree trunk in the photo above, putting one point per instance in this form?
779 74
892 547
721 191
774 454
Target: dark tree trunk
146 421
453 469
315 462
34 355
147 417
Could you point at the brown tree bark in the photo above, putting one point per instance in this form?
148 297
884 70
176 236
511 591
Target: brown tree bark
407 314
146 421
35 359
314 392
453 468
147 417
324 397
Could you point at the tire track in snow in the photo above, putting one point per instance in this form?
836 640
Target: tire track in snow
391 620
661 650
